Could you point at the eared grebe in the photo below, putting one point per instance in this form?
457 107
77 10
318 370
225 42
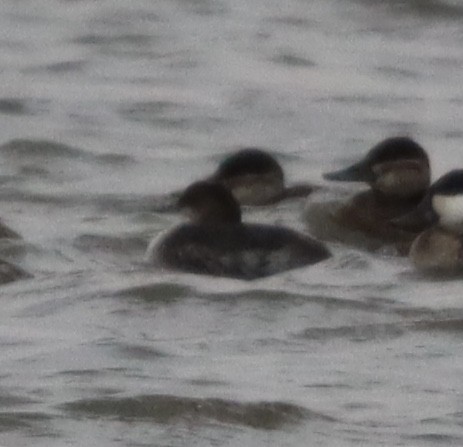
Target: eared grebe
216 242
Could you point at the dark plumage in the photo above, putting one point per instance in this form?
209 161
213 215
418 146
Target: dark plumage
255 177
398 151
10 273
218 243
248 161
398 174
450 184
394 149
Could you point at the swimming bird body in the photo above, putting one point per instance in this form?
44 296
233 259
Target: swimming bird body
217 243
439 247
398 174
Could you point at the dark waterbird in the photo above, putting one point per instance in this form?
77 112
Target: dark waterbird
216 242
398 173
255 177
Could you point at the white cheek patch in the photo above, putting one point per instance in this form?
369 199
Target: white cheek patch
402 181
388 181
255 194
450 211
255 189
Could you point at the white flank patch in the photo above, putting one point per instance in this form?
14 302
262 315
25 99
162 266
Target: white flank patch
450 211
151 254
254 194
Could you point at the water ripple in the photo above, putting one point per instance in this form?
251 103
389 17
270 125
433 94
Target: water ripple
168 409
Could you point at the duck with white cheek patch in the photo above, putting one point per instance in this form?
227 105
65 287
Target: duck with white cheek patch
255 178
398 174
440 247
216 242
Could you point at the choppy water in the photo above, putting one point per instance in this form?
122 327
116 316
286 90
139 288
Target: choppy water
104 105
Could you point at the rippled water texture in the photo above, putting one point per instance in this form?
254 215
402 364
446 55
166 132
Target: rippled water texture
105 106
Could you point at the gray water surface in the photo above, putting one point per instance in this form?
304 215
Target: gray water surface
105 106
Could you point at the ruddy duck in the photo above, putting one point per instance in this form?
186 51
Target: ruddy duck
440 247
216 242
254 177
398 173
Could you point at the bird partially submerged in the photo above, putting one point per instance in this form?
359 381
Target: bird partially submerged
438 248
397 172
255 177
216 241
